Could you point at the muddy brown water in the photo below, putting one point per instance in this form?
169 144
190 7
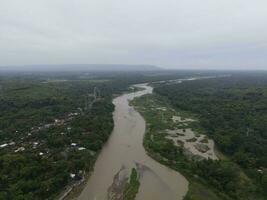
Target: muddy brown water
124 149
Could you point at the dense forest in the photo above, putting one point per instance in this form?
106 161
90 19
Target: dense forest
51 131
233 111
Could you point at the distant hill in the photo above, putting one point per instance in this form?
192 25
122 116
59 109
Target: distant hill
81 67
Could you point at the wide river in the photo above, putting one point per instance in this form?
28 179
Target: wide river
124 150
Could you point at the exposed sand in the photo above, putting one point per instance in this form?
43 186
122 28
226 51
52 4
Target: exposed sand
196 144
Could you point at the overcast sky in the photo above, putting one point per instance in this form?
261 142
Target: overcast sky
169 33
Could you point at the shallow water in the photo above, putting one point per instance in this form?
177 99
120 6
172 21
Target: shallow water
124 149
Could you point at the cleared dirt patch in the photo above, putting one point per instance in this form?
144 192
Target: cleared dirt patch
192 144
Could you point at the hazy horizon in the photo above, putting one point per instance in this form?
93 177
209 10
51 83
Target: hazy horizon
107 68
171 34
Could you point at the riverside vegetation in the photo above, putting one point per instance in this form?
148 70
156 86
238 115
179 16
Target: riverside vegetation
132 186
209 179
232 111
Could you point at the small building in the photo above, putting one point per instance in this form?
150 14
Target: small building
73 144
3 145
19 149
72 175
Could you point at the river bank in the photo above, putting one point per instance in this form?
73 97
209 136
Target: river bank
167 148
124 149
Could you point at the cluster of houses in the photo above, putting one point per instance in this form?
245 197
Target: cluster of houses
19 149
35 145
57 122
7 144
